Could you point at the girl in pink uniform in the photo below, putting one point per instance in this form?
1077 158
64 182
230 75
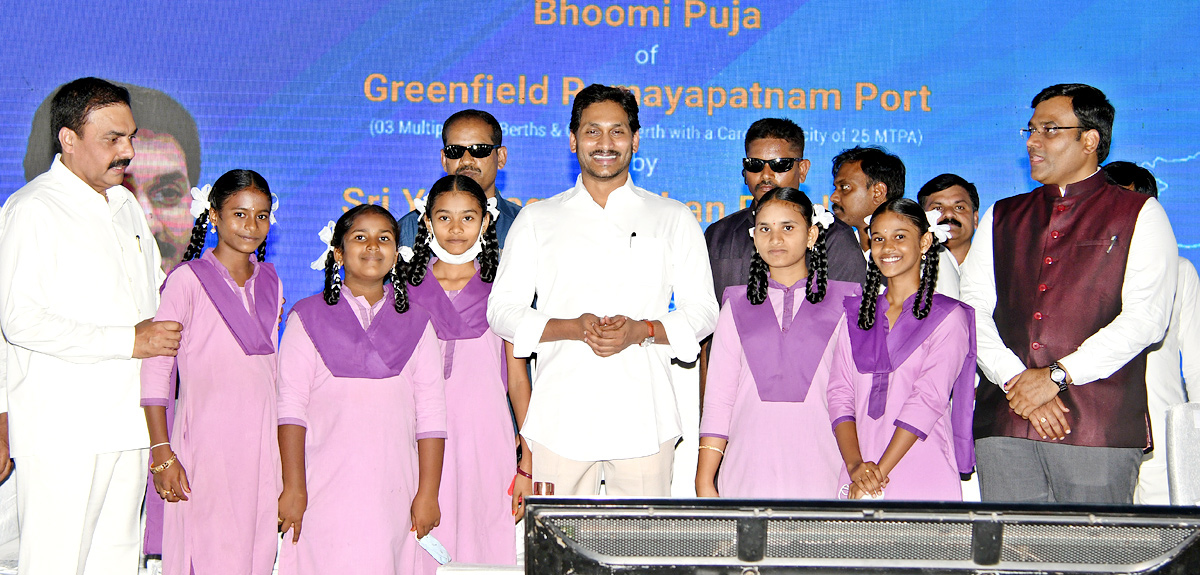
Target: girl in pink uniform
458 227
219 469
902 387
765 421
362 416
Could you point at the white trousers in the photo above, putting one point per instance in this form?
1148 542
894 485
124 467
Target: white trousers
80 514
648 476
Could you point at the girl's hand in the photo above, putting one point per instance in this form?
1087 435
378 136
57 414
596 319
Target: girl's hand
172 482
706 489
867 477
292 504
426 514
522 488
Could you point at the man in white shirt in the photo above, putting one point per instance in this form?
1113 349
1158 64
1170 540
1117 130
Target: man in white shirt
863 179
1070 283
1172 361
79 277
604 259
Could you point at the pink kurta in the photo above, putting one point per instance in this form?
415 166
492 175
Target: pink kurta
224 435
777 449
481 455
918 399
360 456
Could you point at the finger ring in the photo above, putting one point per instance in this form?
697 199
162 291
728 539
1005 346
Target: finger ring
1043 420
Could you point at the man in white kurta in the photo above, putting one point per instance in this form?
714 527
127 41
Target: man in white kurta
604 259
79 277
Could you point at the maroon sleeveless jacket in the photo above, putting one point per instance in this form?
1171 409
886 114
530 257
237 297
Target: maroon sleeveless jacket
1060 264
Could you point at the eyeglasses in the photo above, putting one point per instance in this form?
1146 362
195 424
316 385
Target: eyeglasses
1047 131
778 165
454 151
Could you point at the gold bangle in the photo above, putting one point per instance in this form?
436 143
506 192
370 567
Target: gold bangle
714 448
155 470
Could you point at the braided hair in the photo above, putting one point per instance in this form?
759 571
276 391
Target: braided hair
489 258
816 259
929 266
226 186
332 290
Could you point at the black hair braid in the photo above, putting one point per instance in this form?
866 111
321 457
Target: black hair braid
333 282
818 268
195 246
489 258
756 285
421 254
866 311
929 273
261 252
398 287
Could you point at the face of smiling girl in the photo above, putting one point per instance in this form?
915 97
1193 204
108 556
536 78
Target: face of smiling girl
456 219
897 245
782 238
368 250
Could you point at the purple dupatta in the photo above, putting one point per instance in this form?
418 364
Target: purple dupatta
379 352
460 318
784 360
880 350
253 334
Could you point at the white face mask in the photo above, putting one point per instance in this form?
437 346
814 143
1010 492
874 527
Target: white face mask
443 255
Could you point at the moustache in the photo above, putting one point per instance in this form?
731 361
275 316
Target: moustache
950 221
466 171
123 163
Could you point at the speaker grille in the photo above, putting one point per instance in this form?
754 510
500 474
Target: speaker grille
651 537
1100 544
890 540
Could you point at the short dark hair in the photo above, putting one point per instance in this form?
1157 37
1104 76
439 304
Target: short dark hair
946 181
1128 173
1091 107
878 165
75 100
777 128
600 93
155 111
490 120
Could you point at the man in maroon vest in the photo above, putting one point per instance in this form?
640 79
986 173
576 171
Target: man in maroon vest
1070 283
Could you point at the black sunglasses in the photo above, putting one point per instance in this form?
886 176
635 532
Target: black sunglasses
778 165
454 151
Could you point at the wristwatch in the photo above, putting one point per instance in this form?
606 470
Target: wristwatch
649 341
1059 376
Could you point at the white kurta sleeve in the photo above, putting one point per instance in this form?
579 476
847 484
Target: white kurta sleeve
695 314
1147 299
510 306
978 289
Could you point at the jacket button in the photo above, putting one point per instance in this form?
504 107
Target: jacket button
1043 287
1061 208
1036 345
1049 260
1055 234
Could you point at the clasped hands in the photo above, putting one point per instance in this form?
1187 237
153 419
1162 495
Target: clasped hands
609 335
866 478
1033 396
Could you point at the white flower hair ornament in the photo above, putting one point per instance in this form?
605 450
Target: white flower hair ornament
200 200
822 216
867 220
940 231
274 207
326 235
492 209
419 205
751 230
406 253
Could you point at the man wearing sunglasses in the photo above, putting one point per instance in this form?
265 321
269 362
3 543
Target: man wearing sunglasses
471 146
1070 283
774 159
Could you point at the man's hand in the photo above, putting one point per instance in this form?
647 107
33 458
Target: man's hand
1030 390
611 335
1049 421
6 463
155 338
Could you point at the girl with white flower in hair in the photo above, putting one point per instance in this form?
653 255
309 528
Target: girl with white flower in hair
903 382
362 415
218 468
765 423
483 485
